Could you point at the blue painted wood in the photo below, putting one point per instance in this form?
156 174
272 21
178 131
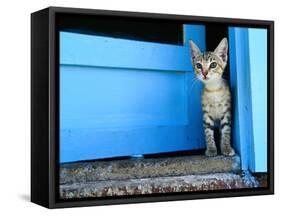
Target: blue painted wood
93 143
258 76
98 51
248 67
125 99
241 89
195 33
112 98
194 88
234 93
119 112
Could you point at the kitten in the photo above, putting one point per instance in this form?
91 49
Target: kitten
216 97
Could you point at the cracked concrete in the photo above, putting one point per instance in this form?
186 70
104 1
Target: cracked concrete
154 175
84 172
189 183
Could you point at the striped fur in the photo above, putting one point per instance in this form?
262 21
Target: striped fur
216 97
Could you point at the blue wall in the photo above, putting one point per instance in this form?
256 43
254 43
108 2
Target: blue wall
122 97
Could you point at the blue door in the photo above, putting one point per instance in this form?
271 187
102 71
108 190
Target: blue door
248 69
123 97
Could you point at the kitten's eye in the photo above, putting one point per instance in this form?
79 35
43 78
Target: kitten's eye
199 66
213 65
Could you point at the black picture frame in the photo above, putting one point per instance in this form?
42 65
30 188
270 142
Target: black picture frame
45 100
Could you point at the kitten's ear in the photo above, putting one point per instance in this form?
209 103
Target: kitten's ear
195 51
222 49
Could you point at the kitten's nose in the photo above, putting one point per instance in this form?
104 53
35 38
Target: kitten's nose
205 73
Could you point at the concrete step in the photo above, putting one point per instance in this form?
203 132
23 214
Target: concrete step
85 172
188 183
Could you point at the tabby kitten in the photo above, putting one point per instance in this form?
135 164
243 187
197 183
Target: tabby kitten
216 97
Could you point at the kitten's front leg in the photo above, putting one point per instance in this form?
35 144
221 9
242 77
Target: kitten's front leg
225 127
209 135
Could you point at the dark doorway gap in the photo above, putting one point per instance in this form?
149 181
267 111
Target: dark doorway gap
150 30
214 34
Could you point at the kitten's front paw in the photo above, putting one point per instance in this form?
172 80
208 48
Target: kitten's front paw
211 152
228 151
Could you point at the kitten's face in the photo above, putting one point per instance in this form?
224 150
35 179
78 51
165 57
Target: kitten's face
209 66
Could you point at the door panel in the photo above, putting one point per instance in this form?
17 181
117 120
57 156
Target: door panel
123 97
248 72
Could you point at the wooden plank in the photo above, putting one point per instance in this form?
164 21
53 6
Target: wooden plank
89 50
258 75
93 143
241 90
100 97
195 134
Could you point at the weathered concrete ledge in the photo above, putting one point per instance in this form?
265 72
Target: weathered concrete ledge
85 172
205 182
